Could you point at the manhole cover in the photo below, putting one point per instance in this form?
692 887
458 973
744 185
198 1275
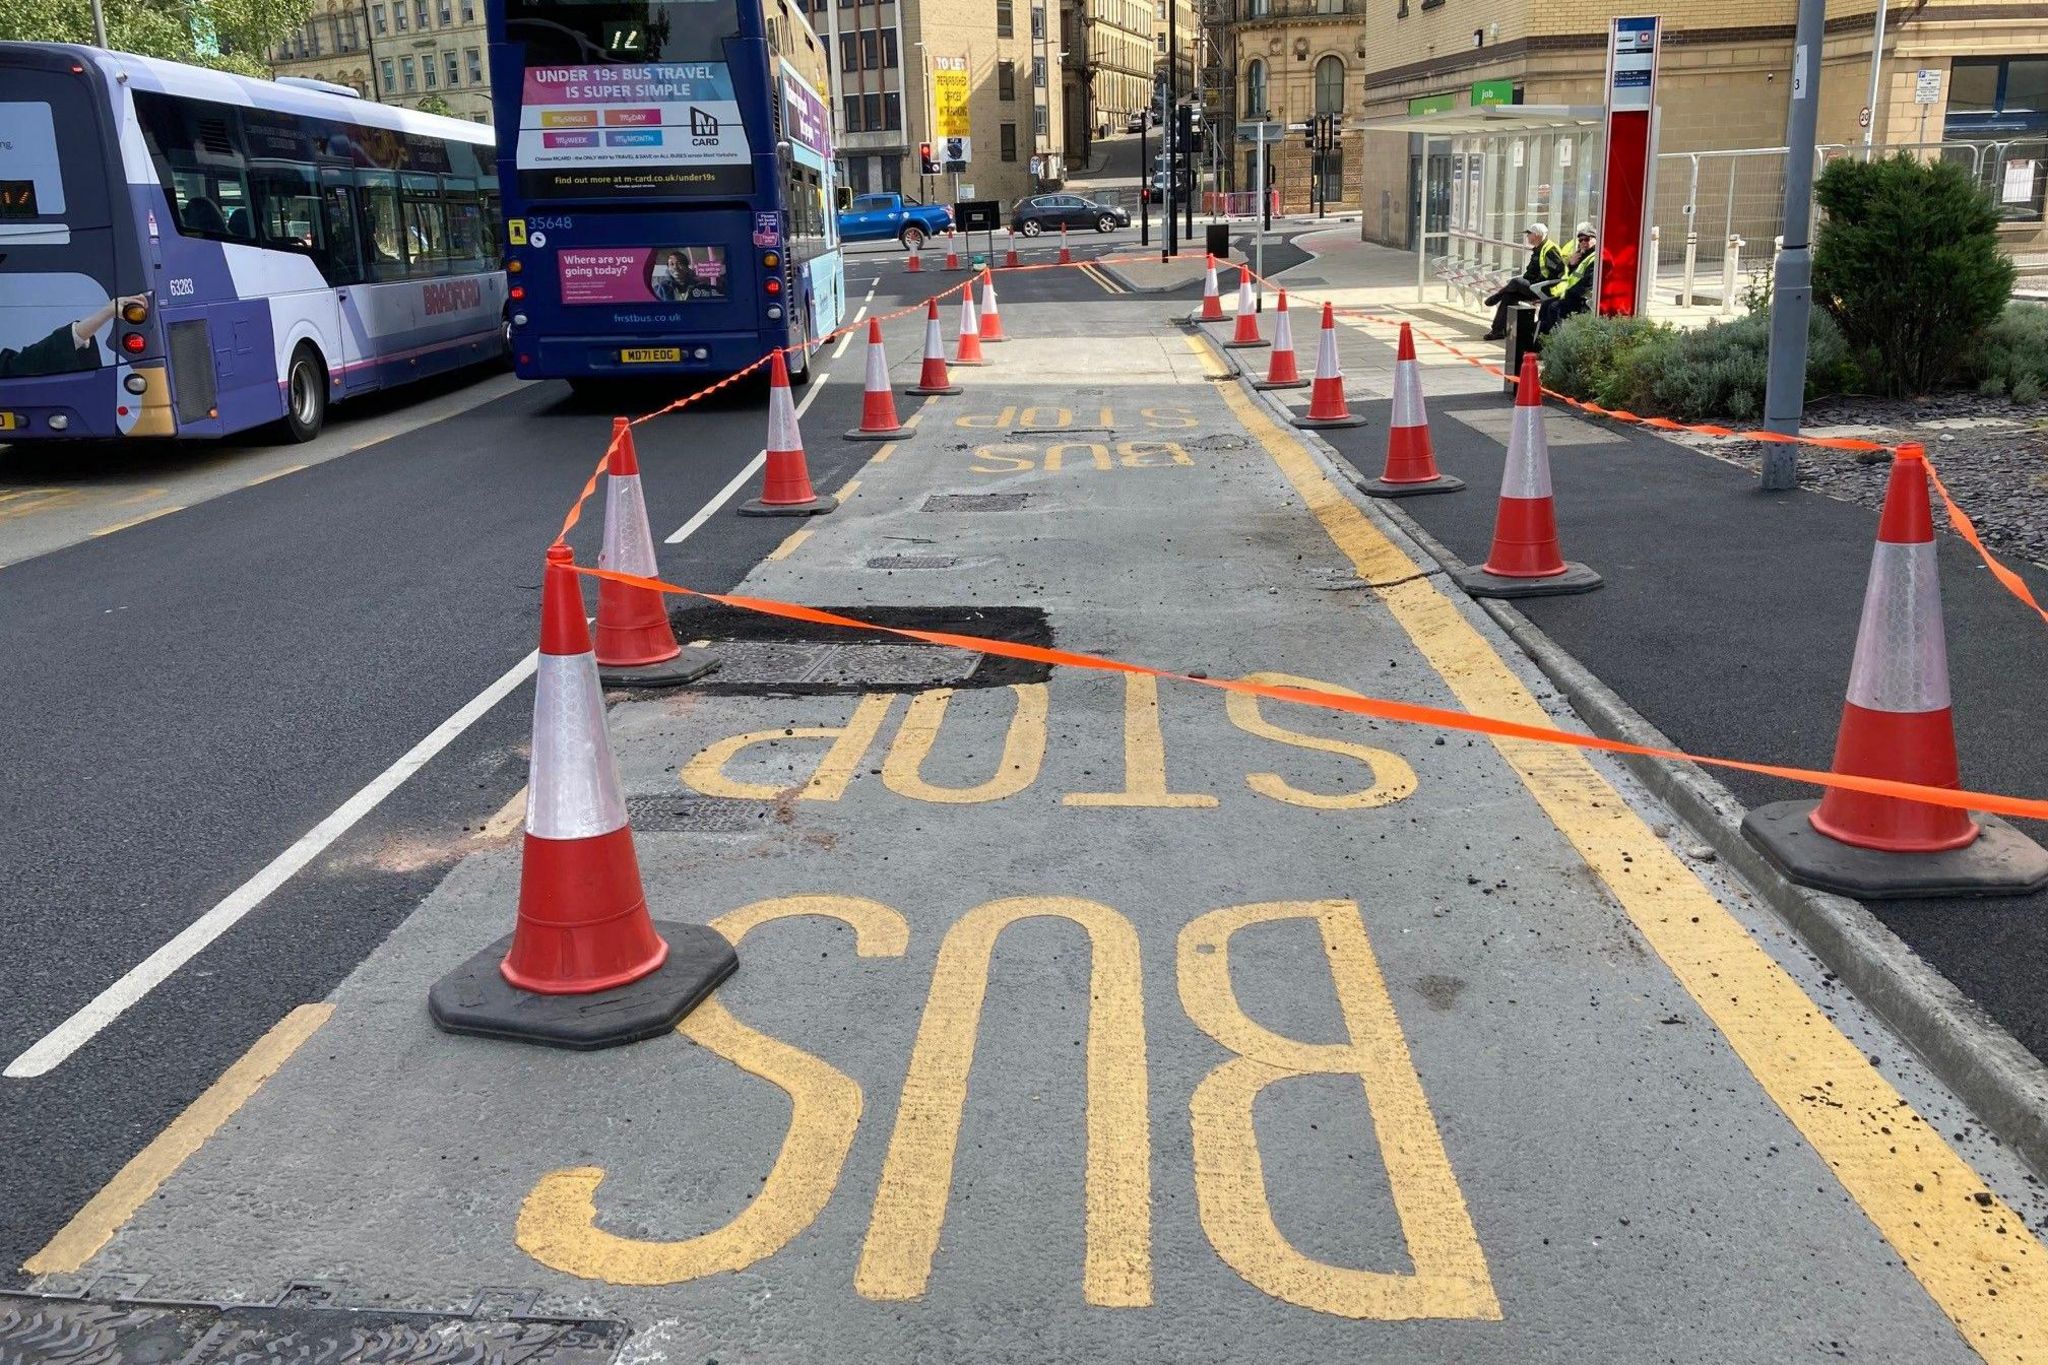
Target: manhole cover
35 1328
975 502
836 668
693 815
914 562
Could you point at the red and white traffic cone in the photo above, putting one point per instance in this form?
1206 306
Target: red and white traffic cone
952 251
585 965
991 316
878 420
786 490
933 379
969 352
636 646
1247 334
1010 261
1898 723
1281 372
1525 560
1212 302
915 265
1411 459
1066 256
1326 406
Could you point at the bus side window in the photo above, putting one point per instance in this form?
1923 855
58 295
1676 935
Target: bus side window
382 231
287 207
342 263
426 223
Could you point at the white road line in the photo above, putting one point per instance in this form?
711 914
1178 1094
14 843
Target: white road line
59 1043
847 340
739 480
55 1047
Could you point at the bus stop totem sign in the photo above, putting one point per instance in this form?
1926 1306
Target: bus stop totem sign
1632 50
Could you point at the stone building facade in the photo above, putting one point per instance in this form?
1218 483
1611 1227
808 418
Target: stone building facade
397 51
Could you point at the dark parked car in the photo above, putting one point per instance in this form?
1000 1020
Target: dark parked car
1051 212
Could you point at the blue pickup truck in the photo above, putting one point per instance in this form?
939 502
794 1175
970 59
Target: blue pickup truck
877 217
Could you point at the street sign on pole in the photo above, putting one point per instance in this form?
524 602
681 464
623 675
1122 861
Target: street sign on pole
1261 132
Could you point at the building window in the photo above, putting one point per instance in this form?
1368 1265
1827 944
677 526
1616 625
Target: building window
419 9
892 174
850 111
390 79
1997 98
1261 8
447 14
892 111
405 67
433 71
454 68
1009 141
1038 123
314 45
849 52
1037 21
468 11
874 111
1006 22
889 47
1255 89
1006 80
1038 73
870 50
1329 6
399 16
1330 85
476 65
377 17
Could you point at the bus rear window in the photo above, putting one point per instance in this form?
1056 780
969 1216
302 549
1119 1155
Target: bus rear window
48 123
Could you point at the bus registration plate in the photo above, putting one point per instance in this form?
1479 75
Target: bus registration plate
11 421
652 355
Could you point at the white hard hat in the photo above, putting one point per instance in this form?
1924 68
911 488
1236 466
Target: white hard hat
1540 229
1584 230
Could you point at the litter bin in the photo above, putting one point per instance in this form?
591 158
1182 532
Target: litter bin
1219 240
1521 340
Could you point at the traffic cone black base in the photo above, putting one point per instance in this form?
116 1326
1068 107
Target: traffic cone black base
1575 578
686 667
942 392
1380 488
890 434
1329 423
1245 345
476 998
1267 385
2001 861
816 507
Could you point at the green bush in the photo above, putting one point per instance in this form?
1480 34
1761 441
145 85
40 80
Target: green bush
2011 358
1907 261
1720 370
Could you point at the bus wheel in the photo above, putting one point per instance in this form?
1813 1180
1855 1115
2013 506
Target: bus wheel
305 394
798 362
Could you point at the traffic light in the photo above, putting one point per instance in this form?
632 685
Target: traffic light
926 160
1308 134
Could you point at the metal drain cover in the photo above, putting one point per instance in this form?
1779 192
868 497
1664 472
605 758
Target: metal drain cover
975 502
914 562
694 815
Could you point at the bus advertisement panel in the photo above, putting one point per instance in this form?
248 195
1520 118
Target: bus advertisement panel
662 215
188 253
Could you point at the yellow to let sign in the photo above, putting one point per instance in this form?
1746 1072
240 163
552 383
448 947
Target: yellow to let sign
949 98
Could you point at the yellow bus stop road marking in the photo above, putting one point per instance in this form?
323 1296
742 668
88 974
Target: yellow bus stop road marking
1967 1248
79 1240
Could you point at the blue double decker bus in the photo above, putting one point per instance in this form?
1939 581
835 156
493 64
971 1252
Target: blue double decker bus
666 167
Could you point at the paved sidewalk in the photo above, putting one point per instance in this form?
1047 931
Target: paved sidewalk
1127 1021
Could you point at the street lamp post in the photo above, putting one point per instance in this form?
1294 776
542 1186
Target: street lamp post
99 25
1792 281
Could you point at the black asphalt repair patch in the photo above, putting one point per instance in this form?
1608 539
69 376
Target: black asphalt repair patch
768 655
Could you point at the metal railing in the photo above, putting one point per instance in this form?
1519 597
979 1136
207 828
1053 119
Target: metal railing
1258 11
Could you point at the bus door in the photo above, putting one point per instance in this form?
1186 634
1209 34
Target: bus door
343 266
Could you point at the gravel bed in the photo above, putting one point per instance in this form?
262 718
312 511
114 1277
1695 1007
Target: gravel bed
1992 455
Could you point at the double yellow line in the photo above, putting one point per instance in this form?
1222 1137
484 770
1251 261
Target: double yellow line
1097 274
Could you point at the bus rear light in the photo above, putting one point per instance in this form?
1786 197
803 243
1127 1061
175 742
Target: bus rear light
519 319
702 353
771 260
135 311
774 286
513 267
134 343
135 383
774 310
518 291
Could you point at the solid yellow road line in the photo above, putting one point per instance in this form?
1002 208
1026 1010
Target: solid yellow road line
80 1239
848 489
1095 273
1971 1253
274 474
789 544
137 521
510 819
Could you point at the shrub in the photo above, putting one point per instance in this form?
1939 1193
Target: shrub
1720 370
1907 261
2011 358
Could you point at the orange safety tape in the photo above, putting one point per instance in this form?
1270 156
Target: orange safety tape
1964 527
1405 713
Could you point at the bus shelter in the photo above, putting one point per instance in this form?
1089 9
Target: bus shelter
1479 176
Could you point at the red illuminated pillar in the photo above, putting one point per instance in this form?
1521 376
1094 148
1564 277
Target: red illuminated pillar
1632 49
